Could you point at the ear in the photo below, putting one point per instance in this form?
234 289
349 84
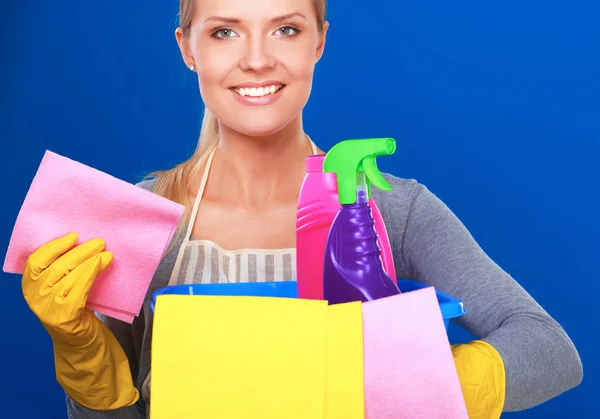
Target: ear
321 44
184 47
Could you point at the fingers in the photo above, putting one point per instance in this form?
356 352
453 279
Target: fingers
72 259
46 254
77 284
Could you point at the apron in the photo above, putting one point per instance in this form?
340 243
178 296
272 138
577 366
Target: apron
205 262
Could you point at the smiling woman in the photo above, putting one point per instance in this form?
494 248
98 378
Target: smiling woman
255 62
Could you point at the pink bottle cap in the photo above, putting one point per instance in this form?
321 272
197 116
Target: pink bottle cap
315 163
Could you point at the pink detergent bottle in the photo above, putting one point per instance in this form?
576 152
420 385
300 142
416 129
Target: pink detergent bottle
318 204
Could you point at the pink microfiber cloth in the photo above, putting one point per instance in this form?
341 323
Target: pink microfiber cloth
409 369
137 226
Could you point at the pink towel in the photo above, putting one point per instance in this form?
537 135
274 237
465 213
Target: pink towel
409 369
137 225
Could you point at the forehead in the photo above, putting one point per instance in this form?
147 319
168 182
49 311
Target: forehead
251 9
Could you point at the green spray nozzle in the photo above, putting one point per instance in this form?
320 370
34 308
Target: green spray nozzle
351 157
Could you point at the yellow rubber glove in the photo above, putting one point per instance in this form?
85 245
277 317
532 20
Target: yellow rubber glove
90 363
482 378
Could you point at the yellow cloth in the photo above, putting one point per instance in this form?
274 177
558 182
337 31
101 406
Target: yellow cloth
482 378
344 390
256 358
238 357
90 363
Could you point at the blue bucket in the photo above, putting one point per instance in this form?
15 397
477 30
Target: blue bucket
450 306
286 289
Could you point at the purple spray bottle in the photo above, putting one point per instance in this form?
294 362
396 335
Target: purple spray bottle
353 269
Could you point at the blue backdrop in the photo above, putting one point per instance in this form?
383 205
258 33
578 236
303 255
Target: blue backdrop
494 105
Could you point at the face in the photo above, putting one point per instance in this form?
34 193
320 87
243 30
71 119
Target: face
254 59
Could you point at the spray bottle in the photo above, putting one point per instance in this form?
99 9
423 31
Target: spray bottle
318 203
353 268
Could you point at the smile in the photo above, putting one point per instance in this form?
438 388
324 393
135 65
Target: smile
258 91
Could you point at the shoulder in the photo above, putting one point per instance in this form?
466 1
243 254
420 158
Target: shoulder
410 204
147 184
404 190
395 205
407 197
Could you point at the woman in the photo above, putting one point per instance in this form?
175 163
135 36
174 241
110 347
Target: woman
255 63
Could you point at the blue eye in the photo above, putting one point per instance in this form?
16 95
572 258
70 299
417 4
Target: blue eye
224 33
288 31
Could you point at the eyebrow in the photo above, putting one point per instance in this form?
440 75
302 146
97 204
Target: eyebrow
274 20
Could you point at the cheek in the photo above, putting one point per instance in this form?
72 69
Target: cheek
214 65
298 62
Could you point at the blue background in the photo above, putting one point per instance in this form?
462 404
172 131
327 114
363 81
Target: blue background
495 107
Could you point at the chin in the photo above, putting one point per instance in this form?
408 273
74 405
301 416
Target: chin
260 122
258 128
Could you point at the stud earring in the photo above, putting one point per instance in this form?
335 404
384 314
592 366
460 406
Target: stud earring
192 67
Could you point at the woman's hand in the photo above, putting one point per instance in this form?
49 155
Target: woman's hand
57 282
482 378
90 363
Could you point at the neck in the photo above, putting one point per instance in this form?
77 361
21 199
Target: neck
257 171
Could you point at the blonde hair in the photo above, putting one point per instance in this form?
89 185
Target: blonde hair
173 184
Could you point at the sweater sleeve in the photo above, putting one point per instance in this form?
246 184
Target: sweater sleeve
77 411
433 246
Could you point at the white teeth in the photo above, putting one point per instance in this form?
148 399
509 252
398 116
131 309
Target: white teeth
258 92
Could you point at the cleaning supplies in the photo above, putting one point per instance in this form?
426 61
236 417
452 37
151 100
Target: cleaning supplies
353 268
318 203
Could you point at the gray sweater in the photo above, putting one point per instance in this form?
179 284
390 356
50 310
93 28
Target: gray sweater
431 245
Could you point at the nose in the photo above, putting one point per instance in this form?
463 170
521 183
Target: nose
256 56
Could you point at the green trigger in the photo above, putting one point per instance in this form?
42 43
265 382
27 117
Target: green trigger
356 161
374 175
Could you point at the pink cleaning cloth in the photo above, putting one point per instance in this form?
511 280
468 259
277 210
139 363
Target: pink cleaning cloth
409 369
137 226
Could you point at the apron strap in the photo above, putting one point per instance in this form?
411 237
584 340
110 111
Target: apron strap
199 196
190 226
312 145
